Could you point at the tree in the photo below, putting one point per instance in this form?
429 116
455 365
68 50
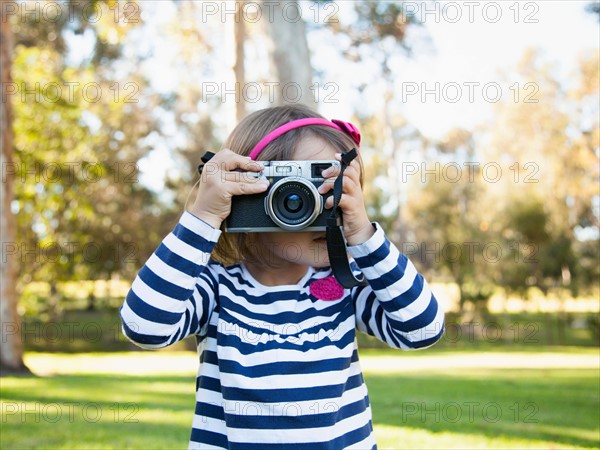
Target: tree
377 37
449 228
11 347
291 55
81 211
239 67
548 136
76 153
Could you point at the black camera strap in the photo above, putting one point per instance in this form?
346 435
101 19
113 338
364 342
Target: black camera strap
205 158
336 244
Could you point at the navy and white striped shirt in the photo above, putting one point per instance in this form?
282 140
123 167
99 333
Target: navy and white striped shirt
278 368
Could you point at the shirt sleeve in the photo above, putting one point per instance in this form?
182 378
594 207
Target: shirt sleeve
173 294
397 306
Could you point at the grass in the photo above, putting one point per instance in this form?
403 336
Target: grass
443 399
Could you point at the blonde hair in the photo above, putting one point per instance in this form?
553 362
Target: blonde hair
235 247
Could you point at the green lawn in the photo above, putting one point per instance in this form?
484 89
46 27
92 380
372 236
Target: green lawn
420 400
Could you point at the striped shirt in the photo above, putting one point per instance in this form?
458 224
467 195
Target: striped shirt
279 368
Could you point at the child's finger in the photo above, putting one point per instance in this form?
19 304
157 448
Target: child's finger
232 161
330 174
250 165
348 203
352 170
245 188
239 177
349 185
326 186
331 171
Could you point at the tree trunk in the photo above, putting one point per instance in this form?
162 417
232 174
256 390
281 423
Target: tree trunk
11 346
290 54
239 67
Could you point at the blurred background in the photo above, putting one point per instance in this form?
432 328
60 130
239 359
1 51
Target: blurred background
481 146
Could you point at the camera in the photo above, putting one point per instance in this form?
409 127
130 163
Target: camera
291 203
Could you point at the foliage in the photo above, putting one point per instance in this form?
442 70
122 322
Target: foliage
552 142
593 8
376 21
525 226
79 130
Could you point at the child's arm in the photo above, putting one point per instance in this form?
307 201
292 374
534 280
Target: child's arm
173 295
397 306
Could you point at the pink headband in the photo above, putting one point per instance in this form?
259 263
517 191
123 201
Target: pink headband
340 125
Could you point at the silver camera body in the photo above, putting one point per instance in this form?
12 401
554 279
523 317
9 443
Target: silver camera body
291 203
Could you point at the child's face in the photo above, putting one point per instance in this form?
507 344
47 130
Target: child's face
306 248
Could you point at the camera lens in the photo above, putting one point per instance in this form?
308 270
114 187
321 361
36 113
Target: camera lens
293 203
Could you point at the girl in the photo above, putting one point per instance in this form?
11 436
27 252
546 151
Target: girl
279 365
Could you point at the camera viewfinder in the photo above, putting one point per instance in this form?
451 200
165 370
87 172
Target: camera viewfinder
318 168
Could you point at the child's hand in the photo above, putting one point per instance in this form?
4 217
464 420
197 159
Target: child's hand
219 182
357 226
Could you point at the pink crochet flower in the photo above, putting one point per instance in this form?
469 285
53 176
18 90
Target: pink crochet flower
326 289
349 129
